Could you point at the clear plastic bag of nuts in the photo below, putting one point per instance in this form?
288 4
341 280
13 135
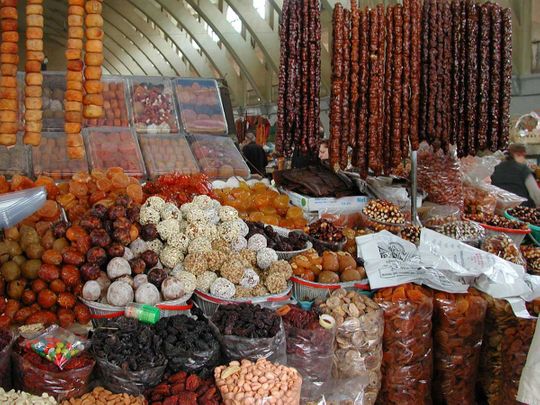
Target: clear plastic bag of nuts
356 371
501 245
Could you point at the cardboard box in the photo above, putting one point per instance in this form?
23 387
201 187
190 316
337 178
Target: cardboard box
310 204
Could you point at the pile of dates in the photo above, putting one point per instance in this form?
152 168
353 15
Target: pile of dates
184 389
295 240
39 279
526 214
189 344
531 254
326 231
128 344
496 220
247 320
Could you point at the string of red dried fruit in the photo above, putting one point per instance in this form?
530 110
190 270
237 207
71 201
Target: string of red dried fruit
93 98
299 77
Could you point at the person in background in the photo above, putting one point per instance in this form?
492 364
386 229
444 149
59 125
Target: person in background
323 151
255 155
514 175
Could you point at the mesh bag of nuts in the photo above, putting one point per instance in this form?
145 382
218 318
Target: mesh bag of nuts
356 372
507 339
458 328
407 344
439 176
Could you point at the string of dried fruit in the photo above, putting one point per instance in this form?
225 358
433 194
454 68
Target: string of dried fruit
471 37
33 114
406 78
462 146
506 77
9 58
483 82
355 69
373 102
433 71
361 160
388 82
93 99
396 99
292 78
380 89
282 79
345 87
74 80
456 71
415 73
301 133
337 83
495 75
424 81
314 74
439 100
446 69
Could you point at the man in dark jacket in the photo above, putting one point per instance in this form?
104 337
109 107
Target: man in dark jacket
514 175
255 155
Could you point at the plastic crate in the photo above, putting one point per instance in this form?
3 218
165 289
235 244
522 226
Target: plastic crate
200 106
304 290
50 158
15 159
152 105
115 104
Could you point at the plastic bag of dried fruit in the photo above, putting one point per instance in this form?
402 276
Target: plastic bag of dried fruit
356 371
273 349
307 339
458 328
478 200
439 176
407 344
507 339
501 245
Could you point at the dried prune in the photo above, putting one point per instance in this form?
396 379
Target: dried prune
247 320
115 250
149 232
150 258
100 237
96 255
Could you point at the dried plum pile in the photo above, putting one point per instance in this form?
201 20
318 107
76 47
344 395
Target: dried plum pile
247 320
189 344
295 240
128 344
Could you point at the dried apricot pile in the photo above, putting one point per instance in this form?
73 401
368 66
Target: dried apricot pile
407 344
458 331
84 190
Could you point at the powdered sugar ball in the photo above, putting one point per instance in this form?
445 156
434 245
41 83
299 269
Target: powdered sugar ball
205 280
222 288
170 256
120 294
147 294
257 242
212 216
179 241
128 254
139 280
149 215
118 267
242 227
91 290
154 202
170 211
228 231
199 245
203 201
227 213
188 280
168 228
127 279
172 288
137 247
265 258
239 244
178 268
250 278
155 246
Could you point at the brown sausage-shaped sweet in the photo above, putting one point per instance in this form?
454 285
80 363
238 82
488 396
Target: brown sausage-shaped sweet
396 100
315 74
355 69
455 70
336 100
446 69
495 75
424 80
472 75
439 100
506 77
406 78
483 83
373 91
300 139
388 83
282 84
345 87
293 95
380 88
462 135
433 78
361 159
415 73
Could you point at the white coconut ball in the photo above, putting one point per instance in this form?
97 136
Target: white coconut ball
257 242
172 288
91 290
139 280
147 294
119 294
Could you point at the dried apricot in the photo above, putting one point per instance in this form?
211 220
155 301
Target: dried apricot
135 192
82 177
78 189
103 184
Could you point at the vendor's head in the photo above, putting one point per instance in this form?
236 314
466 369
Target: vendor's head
250 137
518 152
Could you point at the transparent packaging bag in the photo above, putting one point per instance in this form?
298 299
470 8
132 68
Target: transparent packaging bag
458 330
407 345
478 200
5 359
501 245
439 176
304 345
18 205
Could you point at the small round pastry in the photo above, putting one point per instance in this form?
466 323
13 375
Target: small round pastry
33 103
73 95
94 33
10 36
79 3
8 139
8 12
73 106
8 92
8 69
92 73
32 66
93 59
8 116
76 32
93 99
33 126
33 79
93 7
73 54
7 104
75 76
75 20
9 47
93 111
74 85
8 81
33 115
73 116
36 9
36 21
76 10
9 24
35 55
8 127
75 152
74 43
9 58
75 65
93 87
93 20
93 45
34 44
72 128
34 33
